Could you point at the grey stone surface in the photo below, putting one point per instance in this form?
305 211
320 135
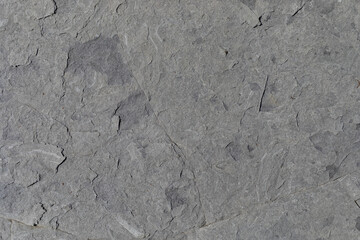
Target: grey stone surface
180 120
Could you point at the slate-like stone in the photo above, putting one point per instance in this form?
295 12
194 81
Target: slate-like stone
179 119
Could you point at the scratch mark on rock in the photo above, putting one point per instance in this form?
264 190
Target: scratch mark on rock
299 9
263 93
135 232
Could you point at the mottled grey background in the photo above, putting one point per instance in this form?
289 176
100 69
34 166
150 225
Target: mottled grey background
180 119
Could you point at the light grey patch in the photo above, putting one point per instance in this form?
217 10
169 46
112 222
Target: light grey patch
132 110
357 225
101 55
112 194
16 201
249 3
322 141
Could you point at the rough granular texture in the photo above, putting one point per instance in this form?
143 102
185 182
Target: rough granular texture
179 119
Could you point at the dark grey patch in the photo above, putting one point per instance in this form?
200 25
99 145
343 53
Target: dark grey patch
111 194
272 88
214 99
325 101
289 19
218 104
273 59
268 104
101 55
173 196
358 126
328 221
357 202
19 75
325 6
239 236
326 50
281 229
199 41
5 95
241 148
322 141
332 169
225 106
357 225
249 3
132 110
10 134
116 38
234 150
254 87
75 116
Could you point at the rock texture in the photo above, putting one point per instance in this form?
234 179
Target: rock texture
180 120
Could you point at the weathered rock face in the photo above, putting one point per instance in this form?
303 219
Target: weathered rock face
180 120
